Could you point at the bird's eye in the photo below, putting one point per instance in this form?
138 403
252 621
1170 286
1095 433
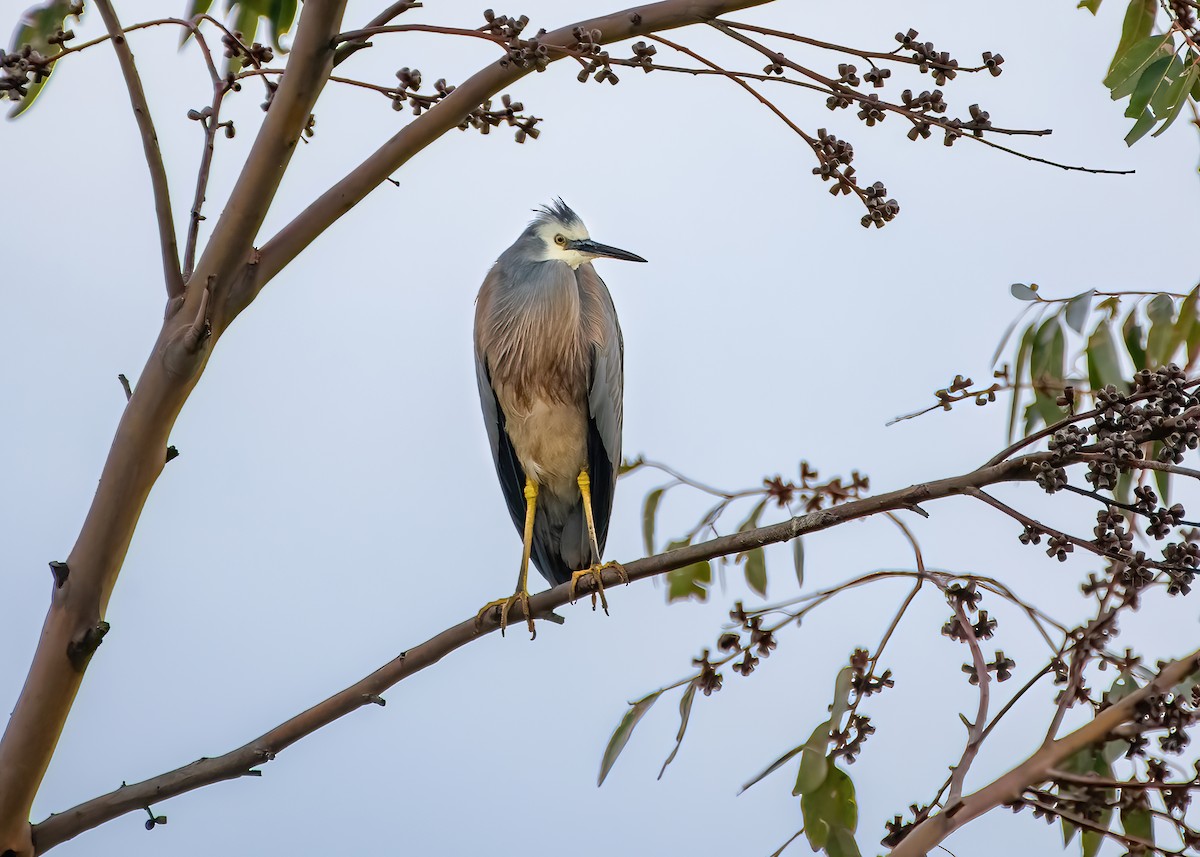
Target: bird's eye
560 240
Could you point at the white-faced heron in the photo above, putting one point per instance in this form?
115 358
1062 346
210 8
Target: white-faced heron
549 361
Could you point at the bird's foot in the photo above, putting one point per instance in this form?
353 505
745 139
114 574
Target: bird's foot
505 605
596 573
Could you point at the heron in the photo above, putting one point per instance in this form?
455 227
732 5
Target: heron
549 360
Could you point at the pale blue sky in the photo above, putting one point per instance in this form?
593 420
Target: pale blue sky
335 503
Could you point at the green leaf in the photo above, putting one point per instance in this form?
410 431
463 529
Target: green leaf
1140 128
1139 21
1163 100
1078 309
1161 312
195 7
1128 69
1022 292
620 736
246 23
685 712
841 696
35 27
691 581
1049 349
1162 479
1103 359
1152 80
1124 487
1134 342
831 807
1137 821
756 571
841 844
771 768
814 767
798 559
1183 327
649 515
1092 840
1047 365
1024 349
1090 5
281 16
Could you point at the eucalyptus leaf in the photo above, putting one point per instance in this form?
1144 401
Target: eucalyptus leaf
1128 69
831 807
620 736
1022 292
756 571
35 28
649 516
798 559
1151 81
691 581
1139 21
1134 342
1161 312
813 765
1183 326
842 687
685 712
1140 128
1137 821
1103 359
1024 349
1078 309
771 768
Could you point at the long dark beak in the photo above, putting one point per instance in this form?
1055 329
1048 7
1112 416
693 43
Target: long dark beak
593 248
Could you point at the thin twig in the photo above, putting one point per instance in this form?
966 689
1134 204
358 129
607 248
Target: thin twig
158 174
389 14
978 728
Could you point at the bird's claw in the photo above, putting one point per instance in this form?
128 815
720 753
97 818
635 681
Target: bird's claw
505 605
596 572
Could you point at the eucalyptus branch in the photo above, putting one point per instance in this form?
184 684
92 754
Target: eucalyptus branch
158 174
979 726
241 761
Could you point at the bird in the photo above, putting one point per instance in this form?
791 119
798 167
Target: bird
549 361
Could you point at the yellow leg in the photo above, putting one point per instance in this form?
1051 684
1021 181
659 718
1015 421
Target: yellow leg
595 572
521 596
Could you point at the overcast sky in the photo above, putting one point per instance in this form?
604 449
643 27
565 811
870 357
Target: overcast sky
335 503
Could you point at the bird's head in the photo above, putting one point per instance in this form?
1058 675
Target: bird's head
561 236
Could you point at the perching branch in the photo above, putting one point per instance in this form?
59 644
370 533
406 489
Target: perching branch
154 161
60 827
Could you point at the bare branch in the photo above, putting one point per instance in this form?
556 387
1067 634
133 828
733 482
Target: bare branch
1036 769
63 826
375 170
979 727
309 65
158 174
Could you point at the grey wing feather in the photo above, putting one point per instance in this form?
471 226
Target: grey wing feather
508 467
605 408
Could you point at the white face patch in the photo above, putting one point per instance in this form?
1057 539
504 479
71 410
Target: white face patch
551 249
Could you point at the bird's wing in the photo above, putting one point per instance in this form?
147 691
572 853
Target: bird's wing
604 399
508 468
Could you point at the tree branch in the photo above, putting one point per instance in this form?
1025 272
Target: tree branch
308 69
975 738
290 241
60 827
1036 769
158 174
